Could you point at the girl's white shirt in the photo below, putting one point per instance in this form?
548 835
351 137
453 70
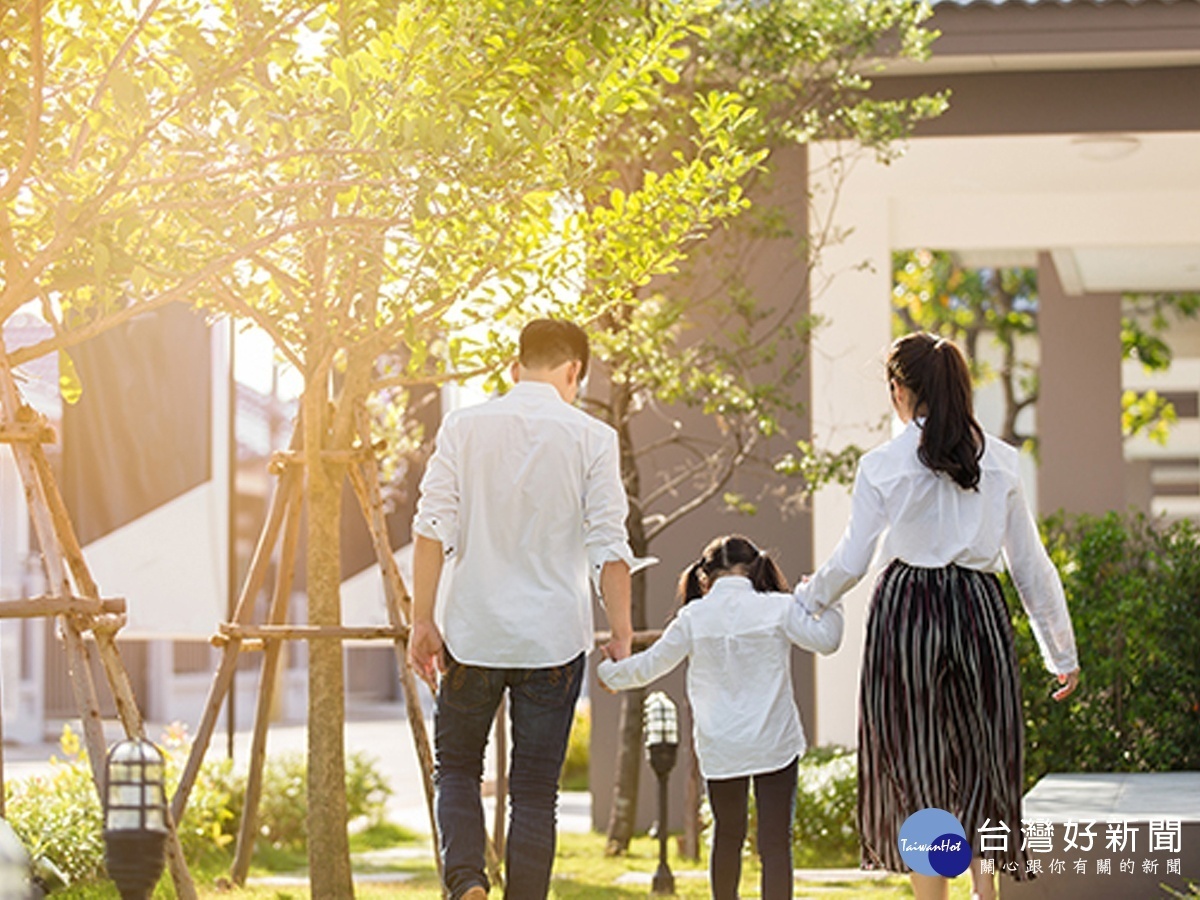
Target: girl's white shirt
738 645
928 521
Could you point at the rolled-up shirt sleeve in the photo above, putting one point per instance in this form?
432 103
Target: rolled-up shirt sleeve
605 509
437 508
852 556
1039 586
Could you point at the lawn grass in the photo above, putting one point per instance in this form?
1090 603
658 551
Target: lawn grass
581 871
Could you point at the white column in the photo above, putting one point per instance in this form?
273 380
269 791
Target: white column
851 293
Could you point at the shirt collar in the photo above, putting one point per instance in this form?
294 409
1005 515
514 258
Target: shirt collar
535 389
731 582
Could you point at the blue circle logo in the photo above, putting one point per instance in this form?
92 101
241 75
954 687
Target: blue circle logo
933 842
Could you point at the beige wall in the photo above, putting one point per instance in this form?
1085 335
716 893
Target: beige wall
1082 464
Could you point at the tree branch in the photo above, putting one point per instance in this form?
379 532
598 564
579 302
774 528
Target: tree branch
178 292
704 496
84 128
241 307
34 125
391 381
700 498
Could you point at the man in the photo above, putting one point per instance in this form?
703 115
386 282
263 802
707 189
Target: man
523 498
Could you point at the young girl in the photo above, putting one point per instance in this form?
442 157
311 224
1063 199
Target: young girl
737 639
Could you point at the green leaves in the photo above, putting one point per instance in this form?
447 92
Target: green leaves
70 386
1133 587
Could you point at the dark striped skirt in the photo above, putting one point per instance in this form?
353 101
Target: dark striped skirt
940 713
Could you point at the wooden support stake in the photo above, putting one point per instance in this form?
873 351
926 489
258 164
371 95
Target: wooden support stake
641 639
277 615
498 819
208 721
104 628
27 433
273 633
46 607
255 577
364 479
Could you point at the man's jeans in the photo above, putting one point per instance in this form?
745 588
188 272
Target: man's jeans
541 707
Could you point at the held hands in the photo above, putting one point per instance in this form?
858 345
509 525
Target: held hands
618 648
1069 682
615 650
426 654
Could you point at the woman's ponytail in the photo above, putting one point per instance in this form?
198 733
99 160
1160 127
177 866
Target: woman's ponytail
934 370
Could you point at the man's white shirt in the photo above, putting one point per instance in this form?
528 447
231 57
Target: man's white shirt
524 493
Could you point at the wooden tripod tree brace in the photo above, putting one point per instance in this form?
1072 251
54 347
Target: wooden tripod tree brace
79 610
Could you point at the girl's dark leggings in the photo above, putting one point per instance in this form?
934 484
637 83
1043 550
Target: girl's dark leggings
775 799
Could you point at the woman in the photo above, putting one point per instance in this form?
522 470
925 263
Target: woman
940 700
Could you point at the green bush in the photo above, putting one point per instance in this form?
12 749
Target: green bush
824 826
283 809
1133 588
575 765
825 833
58 817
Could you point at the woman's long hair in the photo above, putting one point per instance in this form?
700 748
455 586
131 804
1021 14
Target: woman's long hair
720 556
936 373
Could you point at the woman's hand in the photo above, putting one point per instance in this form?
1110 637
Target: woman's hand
1069 682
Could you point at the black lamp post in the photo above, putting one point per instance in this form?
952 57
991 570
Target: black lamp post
135 817
662 745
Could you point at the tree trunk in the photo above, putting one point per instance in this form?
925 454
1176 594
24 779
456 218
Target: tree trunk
328 845
623 814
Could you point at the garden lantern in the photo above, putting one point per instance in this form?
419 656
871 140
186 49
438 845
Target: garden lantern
135 817
662 745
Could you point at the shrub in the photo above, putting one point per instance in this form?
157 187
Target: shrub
825 833
1133 588
283 810
575 765
58 818
824 826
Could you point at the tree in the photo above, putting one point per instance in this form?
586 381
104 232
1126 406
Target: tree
360 179
933 292
702 339
430 159
103 145
96 222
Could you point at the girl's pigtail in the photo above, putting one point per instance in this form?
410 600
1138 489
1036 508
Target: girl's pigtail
766 576
689 583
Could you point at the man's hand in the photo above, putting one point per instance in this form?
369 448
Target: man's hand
426 654
618 649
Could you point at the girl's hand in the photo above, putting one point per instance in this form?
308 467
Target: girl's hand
1069 682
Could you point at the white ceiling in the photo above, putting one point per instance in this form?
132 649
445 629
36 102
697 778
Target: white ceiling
1119 212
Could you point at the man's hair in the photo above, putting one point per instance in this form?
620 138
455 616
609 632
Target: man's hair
548 343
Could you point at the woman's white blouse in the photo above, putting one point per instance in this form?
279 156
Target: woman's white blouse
738 645
931 522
